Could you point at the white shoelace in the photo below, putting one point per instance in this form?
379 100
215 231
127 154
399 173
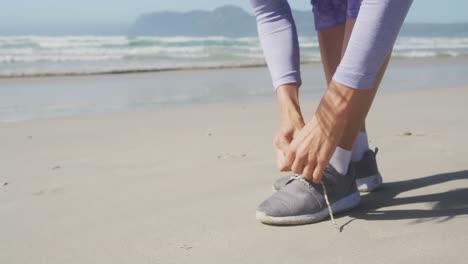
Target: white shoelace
330 210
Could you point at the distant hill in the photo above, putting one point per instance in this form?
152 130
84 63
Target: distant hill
233 21
229 21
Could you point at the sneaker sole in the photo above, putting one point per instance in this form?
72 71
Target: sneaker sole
370 183
347 203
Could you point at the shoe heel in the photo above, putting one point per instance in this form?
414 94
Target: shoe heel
347 203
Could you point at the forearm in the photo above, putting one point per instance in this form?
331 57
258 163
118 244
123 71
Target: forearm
343 110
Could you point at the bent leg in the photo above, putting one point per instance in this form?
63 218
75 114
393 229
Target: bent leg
330 19
369 48
367 51
331 44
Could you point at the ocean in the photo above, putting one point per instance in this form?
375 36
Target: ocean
422 59
77 55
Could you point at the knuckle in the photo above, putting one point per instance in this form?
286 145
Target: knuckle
297 168
322 161
300 153
278 141
303 153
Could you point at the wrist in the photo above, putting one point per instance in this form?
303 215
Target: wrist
289 107
338 98
344 106
350 103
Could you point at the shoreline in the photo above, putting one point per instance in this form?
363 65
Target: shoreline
207 68
39 98
256 103
133 71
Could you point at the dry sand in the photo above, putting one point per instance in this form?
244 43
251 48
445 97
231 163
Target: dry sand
181 185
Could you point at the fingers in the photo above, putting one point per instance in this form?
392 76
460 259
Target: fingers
298 165
318 172
290 157
279 160
322 161
302 159
307 173
281 143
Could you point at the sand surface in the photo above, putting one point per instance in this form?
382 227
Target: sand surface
180 185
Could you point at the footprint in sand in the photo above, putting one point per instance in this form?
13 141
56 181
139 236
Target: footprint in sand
227 155
52 191
186 247
408 134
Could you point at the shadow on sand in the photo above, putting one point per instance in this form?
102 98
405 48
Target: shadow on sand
445 205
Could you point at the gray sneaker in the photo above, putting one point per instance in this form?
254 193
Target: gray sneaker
368 177
303 202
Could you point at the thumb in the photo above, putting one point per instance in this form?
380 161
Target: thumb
290 155
281 146
280 161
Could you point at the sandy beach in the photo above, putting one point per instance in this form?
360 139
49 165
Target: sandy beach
180 185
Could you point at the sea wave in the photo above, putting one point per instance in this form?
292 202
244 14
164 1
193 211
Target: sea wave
70 55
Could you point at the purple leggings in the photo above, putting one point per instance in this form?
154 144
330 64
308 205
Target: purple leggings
378 23
329 13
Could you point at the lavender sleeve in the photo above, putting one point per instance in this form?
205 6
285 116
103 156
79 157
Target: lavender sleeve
374 34
278 38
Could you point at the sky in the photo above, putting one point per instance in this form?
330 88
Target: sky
43 13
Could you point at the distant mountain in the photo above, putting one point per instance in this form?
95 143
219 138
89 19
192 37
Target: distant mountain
233 21
228 20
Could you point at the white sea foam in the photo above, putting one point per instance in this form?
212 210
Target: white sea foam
20 55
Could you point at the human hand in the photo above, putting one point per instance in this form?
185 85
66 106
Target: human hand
312 147
291 122
281 142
